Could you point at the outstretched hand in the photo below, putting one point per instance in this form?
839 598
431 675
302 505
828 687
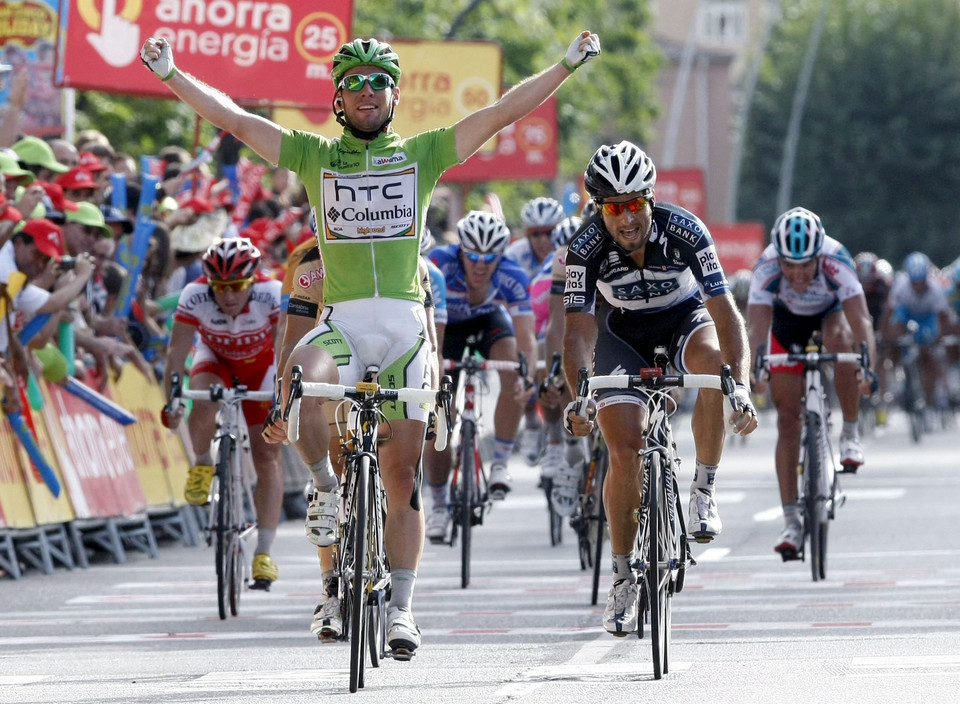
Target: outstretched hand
581 50
157 55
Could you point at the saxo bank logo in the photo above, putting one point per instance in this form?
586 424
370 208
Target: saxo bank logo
115 34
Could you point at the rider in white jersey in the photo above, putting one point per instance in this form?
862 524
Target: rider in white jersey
369 190
804 282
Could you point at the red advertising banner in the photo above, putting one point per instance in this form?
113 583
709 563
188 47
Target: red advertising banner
257 52
739 245
526 150
683 187
95 458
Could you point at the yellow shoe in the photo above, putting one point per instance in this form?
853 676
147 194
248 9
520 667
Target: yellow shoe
264 571
197 489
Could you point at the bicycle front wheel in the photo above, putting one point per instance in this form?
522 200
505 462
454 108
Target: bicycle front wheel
225 536
656 573
815 522
469 502
358 631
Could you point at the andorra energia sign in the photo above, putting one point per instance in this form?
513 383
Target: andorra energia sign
259 52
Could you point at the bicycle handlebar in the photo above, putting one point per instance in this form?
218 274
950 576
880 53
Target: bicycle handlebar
215 393
363 391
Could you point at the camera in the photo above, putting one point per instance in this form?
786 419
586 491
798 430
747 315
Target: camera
67 263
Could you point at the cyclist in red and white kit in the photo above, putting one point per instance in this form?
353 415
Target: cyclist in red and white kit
232 311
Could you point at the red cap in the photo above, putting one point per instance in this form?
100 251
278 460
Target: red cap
90 162
199 205
8 212
76 179
55 194
47 236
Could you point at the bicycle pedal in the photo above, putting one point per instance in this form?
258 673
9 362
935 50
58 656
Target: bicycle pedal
788 555
498 494
849 468
438 541
262 585
702 538
401 654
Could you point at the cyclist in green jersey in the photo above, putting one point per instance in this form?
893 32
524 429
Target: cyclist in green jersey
369 190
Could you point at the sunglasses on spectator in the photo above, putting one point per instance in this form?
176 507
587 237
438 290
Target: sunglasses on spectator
95 231
235 286
634 206
377 81
476 257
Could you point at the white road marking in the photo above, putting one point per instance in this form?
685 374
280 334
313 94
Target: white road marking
712 555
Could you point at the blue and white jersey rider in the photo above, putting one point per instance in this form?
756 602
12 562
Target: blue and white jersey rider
508 287
836 281
680 266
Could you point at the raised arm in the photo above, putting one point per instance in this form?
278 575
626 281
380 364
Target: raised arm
259 133
525 97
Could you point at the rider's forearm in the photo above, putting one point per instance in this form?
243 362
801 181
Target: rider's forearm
260 134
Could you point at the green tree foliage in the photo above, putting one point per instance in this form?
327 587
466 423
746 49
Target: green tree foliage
879 151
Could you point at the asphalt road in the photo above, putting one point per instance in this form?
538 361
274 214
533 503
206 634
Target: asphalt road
883 627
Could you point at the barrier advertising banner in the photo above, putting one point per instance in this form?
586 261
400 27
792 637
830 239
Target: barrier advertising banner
14 505
526 150
94 457
256 52
683 187
739 245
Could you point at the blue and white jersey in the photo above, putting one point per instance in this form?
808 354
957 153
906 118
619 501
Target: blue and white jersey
522 253
438 289
914 305
680 263
508 287
836 280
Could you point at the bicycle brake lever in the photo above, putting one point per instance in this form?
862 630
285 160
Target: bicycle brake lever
296 391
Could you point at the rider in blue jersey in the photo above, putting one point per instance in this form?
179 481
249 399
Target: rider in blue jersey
488 308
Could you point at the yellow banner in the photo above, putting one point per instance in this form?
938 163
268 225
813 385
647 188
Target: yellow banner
15 511
143 398
442 82
46 508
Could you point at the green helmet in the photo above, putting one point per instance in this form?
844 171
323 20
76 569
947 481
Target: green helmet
366 52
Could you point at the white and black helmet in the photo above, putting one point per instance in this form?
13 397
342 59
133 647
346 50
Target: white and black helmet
798 235
483 232
618 170
564 232
541 212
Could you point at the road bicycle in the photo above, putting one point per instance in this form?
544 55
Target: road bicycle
231 516
470 498
555 520
662 549
820 493
360 557
911 392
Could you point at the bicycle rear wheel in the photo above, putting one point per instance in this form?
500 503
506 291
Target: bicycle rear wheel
656 576
468 496
225 536
813 500
358 632
598 524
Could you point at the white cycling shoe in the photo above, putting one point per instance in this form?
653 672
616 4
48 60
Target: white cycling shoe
326 619
705 523
620 615
403 633
322 521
